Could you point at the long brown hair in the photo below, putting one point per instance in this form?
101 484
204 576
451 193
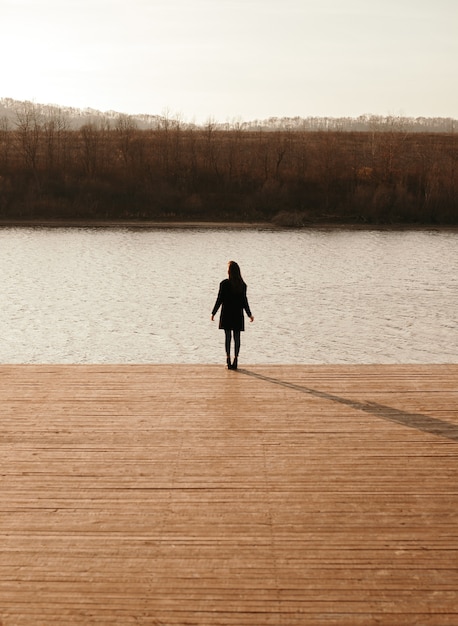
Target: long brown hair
235 277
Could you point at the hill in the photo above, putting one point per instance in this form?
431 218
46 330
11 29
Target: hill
76 118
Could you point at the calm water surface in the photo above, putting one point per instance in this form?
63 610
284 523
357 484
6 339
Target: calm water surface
145 296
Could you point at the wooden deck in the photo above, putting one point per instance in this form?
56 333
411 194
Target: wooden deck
283 495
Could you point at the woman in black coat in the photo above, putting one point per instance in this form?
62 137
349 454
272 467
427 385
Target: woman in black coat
233 301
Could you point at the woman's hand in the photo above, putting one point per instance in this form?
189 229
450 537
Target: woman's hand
213 317
252 318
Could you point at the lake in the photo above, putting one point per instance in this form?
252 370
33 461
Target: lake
126 295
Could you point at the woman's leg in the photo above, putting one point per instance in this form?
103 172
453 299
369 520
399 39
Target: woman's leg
227 342
237 342
237 348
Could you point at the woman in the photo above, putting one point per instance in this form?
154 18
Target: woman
233 301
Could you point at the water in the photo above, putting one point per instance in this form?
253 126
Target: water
145 296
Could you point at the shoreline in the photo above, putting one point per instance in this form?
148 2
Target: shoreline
154 225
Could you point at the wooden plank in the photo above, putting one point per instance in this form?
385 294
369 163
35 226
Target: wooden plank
173 494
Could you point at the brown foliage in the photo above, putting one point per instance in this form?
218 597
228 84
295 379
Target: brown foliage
174 172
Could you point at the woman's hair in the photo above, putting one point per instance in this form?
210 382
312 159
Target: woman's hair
235 277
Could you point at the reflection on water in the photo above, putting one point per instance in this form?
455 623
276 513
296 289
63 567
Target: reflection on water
145 296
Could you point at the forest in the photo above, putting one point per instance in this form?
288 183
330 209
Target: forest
113 170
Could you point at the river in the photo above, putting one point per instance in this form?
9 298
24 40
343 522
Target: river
126 295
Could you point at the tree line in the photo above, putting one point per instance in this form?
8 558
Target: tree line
10 109
114 170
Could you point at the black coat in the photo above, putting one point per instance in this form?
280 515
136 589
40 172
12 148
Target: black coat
232 305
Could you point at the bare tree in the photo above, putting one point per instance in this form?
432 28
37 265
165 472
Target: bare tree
29 126
90 148
125 129
55 127
5 142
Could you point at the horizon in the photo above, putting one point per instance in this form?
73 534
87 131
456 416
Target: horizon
234 60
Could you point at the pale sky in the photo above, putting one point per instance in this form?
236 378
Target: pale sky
230 60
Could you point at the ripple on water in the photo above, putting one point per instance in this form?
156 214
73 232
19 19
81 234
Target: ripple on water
145 296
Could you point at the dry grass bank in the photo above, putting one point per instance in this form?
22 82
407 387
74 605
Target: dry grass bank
174 174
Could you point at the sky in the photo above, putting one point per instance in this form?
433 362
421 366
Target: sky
234 60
